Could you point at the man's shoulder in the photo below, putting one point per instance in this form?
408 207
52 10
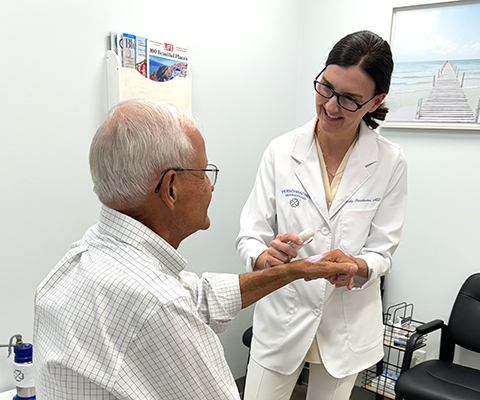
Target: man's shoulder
115 269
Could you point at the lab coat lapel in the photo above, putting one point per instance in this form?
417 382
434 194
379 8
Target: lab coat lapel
308 171
356 172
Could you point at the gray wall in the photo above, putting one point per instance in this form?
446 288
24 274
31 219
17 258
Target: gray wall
252 65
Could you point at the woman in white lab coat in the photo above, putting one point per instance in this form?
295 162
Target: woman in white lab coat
349 184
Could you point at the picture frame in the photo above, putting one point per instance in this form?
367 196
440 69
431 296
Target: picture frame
436 78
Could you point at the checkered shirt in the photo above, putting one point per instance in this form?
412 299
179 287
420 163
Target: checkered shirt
119 318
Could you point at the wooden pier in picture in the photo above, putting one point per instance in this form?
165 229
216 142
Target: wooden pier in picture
447 101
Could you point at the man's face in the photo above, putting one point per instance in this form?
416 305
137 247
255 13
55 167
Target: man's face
196 189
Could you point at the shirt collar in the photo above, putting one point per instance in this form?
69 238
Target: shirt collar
133 232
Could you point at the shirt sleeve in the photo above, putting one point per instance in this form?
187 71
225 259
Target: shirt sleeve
175 356
217 297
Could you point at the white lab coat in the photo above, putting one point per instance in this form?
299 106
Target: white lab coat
365 219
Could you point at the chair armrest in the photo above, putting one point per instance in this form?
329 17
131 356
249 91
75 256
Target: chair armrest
429 326
412 341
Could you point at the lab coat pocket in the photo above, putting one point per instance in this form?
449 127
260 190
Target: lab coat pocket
273 317
363 318
354 229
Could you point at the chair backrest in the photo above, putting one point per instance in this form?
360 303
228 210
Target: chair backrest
464 323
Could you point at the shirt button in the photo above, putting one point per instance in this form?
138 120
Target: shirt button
325 231
316 312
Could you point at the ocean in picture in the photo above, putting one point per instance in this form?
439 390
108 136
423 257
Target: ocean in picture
414 80
164 69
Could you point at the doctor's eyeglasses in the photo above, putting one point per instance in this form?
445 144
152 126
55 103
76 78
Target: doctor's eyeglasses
211 172
347 103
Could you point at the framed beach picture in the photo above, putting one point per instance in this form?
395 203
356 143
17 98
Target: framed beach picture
436 79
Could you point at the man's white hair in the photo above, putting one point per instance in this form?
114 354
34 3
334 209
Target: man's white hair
138 140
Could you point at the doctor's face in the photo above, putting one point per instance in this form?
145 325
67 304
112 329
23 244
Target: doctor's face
349 87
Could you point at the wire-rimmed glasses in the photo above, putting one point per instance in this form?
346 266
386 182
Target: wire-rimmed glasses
211 172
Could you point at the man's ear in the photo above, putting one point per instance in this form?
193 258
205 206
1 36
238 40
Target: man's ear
168 191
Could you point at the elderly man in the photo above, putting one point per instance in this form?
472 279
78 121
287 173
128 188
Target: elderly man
119 317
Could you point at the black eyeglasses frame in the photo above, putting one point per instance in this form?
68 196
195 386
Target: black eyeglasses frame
338 96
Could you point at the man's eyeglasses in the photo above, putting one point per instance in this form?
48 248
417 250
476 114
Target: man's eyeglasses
345 102
211 172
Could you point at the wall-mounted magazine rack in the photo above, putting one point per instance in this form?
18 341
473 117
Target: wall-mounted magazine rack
127 83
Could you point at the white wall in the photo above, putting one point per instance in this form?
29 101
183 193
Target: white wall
253 63
53 97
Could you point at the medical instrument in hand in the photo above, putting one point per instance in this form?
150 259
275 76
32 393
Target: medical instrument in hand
306 235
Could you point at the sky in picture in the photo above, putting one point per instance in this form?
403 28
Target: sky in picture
441 33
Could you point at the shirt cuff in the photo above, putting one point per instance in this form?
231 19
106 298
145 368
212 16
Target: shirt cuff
223 298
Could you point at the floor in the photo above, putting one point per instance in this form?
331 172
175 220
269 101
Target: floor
300 392
358 393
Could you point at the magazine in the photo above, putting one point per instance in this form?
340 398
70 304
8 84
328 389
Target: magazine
166 61
119 41
158 61
113 42
128 51
141 55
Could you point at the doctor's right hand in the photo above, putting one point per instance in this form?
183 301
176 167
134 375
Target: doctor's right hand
279 252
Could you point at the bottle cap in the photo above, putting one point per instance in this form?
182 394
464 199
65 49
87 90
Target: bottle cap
23 353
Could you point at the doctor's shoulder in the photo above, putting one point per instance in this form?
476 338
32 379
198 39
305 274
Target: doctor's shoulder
388 146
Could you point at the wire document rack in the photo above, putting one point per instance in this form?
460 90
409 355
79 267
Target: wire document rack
398 326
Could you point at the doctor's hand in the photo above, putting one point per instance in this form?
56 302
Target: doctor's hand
280 252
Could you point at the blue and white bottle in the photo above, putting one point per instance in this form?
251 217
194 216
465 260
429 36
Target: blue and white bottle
23 372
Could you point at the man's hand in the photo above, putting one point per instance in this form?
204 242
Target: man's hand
334 263
340 280
255 285
338 256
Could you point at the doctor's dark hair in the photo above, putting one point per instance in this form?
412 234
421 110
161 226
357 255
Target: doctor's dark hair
370 52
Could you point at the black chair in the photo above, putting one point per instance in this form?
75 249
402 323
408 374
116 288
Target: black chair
247 341
442 379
